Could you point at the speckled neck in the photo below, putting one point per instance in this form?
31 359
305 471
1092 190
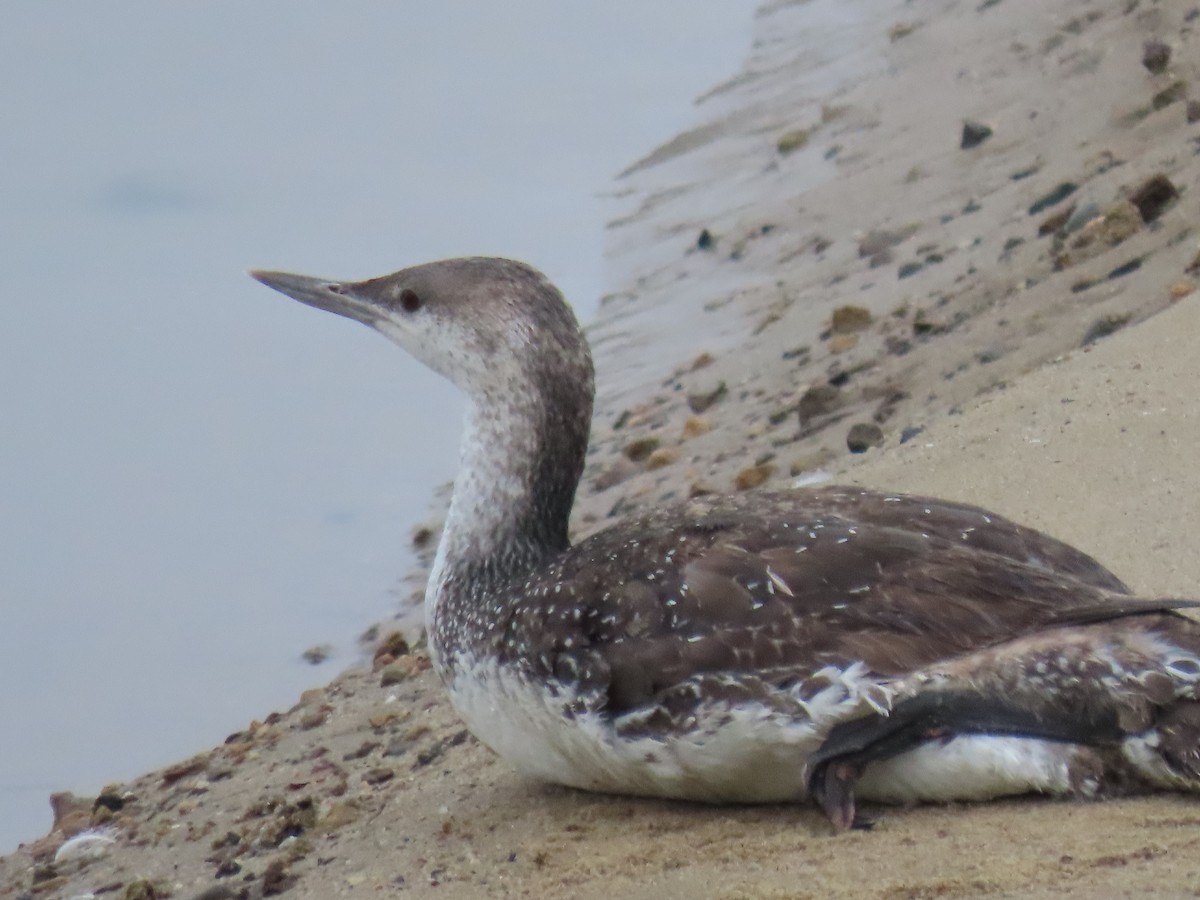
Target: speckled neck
525 438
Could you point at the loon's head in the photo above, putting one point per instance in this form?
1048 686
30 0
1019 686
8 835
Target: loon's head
484 323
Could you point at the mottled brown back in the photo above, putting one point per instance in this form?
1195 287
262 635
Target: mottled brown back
777 586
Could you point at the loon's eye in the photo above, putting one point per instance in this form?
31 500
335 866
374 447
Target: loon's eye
409 301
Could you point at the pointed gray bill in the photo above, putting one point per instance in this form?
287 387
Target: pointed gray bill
331 296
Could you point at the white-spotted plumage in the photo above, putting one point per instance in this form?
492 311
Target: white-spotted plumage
762 647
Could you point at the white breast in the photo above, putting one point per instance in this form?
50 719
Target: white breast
744 754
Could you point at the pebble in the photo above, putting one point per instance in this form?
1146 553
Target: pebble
316 655
381 720
364 749
850 319
863 436
1058 194
791 141
799 353
1125 268
1168 95
1180 289
1153 196
1056 221
753 477
437 749
1156 55
880 240
767 321
379 775
700 401
114 797
782 415
396 672
102 815
662 457
1193 111
974 134
394 645
1028 171
817 401
637 450
1104 326
694 426
991 353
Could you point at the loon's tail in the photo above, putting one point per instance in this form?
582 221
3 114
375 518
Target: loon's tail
1109 707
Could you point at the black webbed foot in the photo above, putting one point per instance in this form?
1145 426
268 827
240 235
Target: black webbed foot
832 787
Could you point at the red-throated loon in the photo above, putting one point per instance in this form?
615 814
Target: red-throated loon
828 643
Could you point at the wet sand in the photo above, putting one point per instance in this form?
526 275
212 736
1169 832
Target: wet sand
820 174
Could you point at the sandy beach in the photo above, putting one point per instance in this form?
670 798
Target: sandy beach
959 236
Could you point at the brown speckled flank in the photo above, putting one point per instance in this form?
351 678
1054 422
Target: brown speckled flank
768 646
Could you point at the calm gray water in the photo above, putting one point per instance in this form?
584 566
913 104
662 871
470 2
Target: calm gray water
198 478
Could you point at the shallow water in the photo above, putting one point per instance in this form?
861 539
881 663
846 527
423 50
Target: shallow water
199 480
